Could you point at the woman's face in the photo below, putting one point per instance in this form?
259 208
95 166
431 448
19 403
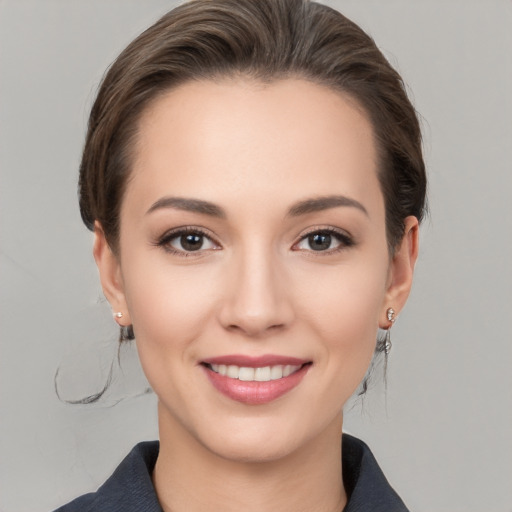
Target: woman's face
253 246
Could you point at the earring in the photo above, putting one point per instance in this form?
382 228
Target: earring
391 318
118 314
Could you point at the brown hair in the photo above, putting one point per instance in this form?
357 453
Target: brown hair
265 40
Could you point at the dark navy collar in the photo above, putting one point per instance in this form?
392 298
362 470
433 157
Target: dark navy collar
366 486
130 488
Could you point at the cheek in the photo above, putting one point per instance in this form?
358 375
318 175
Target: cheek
170 305
346 296
343 305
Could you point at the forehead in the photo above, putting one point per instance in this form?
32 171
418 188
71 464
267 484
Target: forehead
240 139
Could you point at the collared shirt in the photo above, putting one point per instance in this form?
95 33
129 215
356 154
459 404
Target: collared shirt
130 488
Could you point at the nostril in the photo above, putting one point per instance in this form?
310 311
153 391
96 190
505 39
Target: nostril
254 328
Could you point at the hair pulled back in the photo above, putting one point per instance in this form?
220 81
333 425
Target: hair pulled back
262 39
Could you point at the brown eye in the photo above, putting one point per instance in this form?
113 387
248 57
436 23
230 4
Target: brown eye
187 241
190 242
320 241
324 241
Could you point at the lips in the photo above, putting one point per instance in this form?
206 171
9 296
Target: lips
255 380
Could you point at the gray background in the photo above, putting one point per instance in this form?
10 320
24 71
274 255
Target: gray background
444 438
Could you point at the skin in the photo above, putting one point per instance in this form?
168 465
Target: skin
256 286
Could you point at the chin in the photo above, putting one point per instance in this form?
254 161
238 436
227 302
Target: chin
254 449
262 439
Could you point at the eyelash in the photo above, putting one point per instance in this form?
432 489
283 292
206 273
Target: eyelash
168 237
345 240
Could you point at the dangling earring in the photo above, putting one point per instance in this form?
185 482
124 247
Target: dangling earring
391 318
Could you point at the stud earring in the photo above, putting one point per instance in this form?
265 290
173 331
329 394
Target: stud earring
390 313
118 314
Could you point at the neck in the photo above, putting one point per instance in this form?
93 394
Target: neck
188 477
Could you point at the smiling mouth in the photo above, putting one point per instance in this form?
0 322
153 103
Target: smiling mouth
258 374
255 381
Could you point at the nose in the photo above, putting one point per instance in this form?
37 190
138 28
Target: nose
256 299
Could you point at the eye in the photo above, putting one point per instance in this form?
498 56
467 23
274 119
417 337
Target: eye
325 240
187 240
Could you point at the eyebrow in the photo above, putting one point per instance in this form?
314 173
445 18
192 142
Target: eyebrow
318 204
189 205
301 208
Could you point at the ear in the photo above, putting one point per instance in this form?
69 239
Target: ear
401 270
110 275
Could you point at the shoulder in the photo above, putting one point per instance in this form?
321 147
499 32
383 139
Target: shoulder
367 488
129 489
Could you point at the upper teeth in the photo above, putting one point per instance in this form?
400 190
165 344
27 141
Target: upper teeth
262 374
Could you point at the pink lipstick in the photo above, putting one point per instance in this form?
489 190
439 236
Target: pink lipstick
255 380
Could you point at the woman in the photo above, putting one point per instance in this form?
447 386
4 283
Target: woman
254 179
